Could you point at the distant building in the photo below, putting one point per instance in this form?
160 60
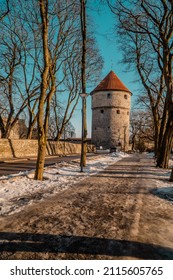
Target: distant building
110 113
18 131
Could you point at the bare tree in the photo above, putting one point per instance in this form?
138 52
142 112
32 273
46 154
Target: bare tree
2 15
10 61
71 79
149 28
65 100
72 85
4 11
54 44
19 81
46 83
141 130
41 63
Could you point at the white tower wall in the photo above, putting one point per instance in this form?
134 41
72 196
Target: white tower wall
110 119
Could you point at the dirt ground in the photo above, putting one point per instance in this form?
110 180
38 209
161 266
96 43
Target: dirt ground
114 214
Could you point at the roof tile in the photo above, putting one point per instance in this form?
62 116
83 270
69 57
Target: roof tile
111 82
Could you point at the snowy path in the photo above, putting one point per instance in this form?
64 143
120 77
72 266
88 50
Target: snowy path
18 190
114 214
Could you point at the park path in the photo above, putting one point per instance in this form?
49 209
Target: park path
114 214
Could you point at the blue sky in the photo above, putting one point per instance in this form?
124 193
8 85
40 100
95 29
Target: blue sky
107 42
103 21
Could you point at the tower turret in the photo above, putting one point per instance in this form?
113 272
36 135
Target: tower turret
110 113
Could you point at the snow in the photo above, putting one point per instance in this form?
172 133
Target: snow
151 155
19 190
164 188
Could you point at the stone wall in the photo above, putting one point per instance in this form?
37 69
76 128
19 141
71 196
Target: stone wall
110 119
28 148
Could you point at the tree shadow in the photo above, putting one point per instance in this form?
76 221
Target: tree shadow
116 172
164 193
28 242
50 148
126 176
12 148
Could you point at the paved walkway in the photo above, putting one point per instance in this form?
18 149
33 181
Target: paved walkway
111 215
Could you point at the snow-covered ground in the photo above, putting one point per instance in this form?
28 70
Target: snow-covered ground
20 189
164 187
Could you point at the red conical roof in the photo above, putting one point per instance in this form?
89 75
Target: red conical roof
111 82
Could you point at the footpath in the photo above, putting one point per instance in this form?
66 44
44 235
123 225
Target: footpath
115 214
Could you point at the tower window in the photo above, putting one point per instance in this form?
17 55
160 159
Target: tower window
102 111
118 111
95 128
125 96
108 95
127 113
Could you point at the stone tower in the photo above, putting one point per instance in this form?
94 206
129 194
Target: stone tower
110 113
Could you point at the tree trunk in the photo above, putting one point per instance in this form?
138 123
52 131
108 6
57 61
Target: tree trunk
29 132
5 132
163 160
83 72
167 136
133 142
156 134
85 135
41 133
42 137
40 157
30 128
165 148
58 136
171 177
